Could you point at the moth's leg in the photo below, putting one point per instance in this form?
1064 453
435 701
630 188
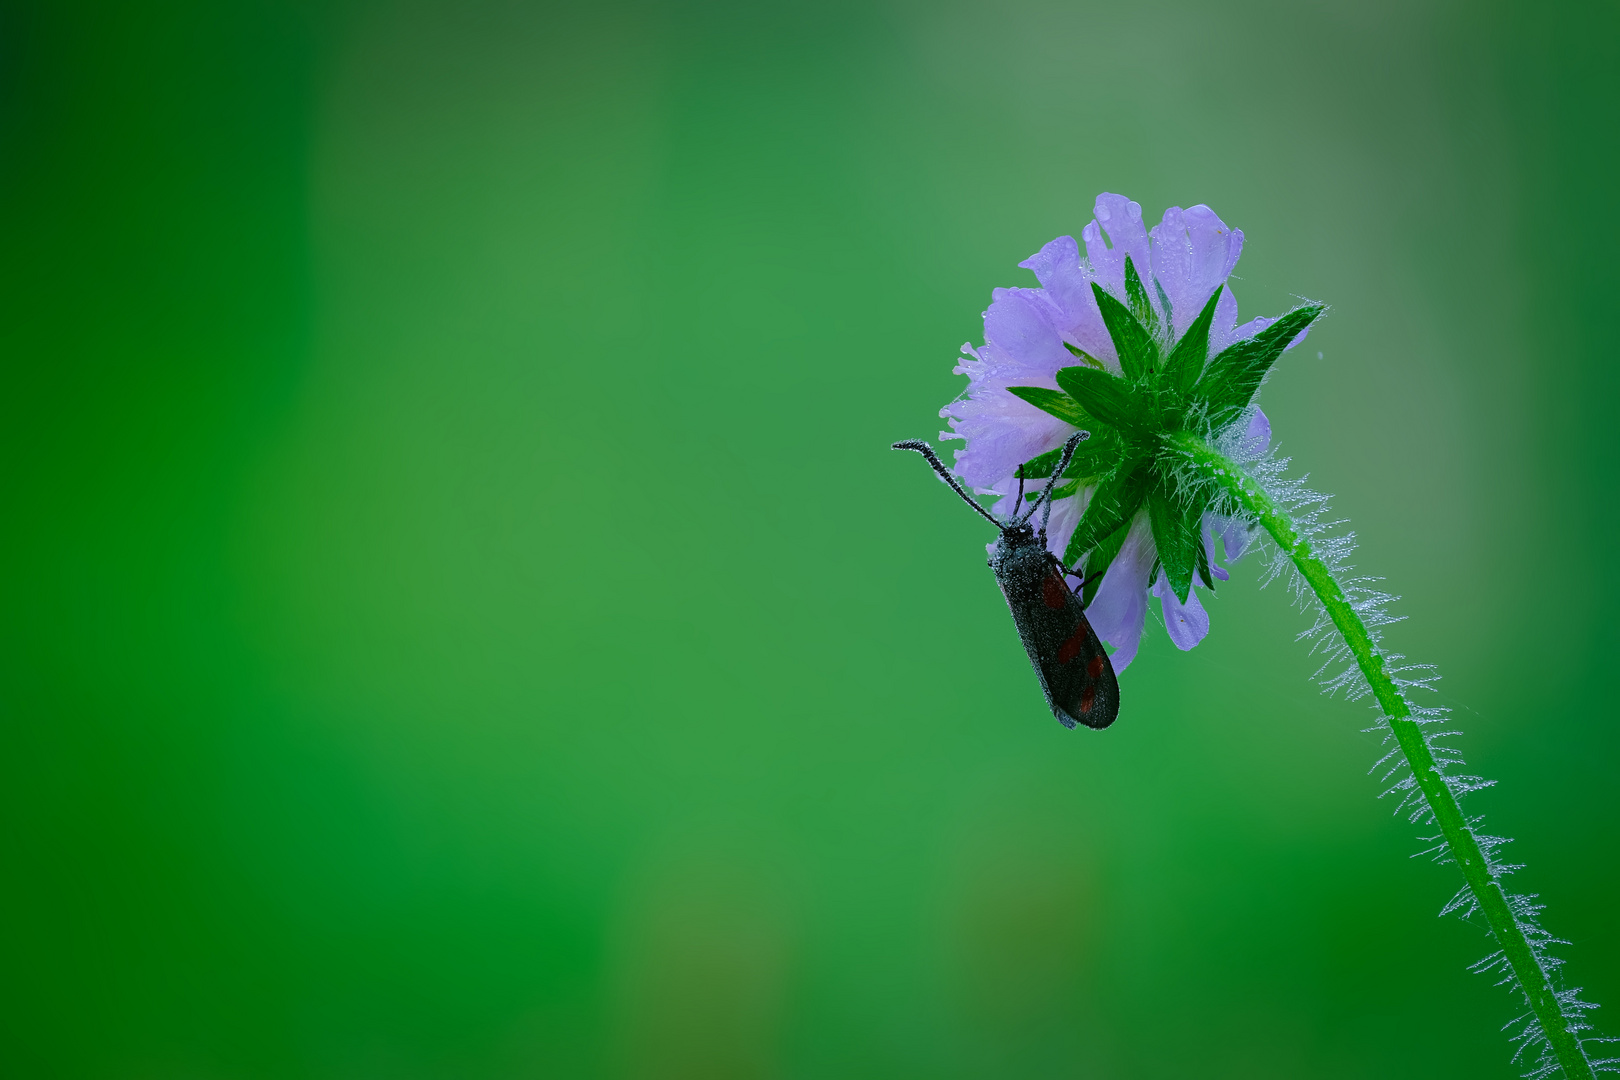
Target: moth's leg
1084 580
1064 571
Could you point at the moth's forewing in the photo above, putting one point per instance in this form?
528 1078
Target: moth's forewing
1080 677
1076 674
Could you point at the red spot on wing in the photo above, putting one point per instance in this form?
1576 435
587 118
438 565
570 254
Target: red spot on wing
1087 696
1095 668
1054 592
1071 648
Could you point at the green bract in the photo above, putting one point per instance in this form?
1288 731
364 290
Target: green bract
1164 389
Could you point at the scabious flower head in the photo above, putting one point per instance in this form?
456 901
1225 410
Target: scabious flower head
1136 340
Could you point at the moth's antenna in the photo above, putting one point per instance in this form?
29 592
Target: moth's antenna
933 459
1045 501
1019 504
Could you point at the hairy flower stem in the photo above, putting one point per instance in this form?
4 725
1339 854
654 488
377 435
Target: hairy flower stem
1242 489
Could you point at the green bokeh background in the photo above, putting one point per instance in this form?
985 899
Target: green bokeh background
460 618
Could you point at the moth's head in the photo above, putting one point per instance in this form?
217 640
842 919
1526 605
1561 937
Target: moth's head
1017 533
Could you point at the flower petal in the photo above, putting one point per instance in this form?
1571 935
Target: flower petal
1119 609
1193 253
1257 436
1121 219
1211 523
1002 432
1187 623
1237 535
1019 325
1223 330
1066 284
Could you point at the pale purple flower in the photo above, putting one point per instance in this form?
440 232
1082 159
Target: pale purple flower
1182 261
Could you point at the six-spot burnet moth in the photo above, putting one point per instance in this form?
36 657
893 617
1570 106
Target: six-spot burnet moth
1075 672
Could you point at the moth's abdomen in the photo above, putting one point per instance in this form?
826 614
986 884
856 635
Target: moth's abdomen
1075 672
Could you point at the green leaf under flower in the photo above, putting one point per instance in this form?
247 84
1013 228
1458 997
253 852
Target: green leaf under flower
1115 502
1231 380
1104 395
1085 357
1137 349
1054 402
1062 491
1186 361
1092 458
1137 295
1131 416
1178 536
1204 576
1164 301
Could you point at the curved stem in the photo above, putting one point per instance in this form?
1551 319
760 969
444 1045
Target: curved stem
1465 849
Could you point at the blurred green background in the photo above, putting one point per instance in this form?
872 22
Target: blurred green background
460 617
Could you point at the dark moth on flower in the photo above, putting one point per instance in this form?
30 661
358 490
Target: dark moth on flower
1074 670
